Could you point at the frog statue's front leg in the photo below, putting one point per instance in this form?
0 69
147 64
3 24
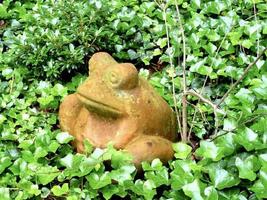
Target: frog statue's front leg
68 112
147 148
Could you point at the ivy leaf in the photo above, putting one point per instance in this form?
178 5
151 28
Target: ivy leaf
260 189
247 138
263 176
260 125
249 30
4 163
246 167
67 161
122 174
25 144
71 47
158 176
132 54
59 90
149 189
2 119
235 37
3 12
162 42
263 160
40 153
181 175
226 143
59 191
45 192
211 193
264 31
7 73
182 150
196 3
88 147
47 174
156 164
221 178
210 48
45 100
109 191
247 44
213 36
229 124
204 70
4 194
118 158
209 150
64 137
260 63
200 68
87 165
53 146
29 187
245 96
215 7
97 181
193 190
27 155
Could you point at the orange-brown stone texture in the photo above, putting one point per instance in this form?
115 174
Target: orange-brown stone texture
115 105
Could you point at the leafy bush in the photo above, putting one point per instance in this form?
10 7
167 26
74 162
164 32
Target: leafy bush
54 36
222 38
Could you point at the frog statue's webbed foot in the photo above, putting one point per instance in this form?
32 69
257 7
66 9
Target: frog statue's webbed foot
147 148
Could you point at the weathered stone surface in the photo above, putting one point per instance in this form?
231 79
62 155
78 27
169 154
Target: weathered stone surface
115 105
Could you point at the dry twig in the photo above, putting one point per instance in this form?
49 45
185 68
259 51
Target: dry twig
172 67
242 77
184 101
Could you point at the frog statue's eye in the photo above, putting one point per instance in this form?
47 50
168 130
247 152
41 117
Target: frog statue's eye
114 78
122 76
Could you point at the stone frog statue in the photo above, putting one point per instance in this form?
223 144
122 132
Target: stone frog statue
115 105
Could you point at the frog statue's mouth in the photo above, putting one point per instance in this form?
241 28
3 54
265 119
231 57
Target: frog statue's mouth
99 107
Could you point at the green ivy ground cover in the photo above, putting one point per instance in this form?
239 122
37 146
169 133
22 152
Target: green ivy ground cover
42 41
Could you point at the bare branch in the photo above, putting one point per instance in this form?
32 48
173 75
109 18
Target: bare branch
203 99
217 136
207 101
199 110
184 101
11 84
206 78
172 67
242 77
256 20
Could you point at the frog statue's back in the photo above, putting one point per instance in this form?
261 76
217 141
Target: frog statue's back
115 105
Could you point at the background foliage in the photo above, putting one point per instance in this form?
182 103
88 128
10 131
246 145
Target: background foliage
44 41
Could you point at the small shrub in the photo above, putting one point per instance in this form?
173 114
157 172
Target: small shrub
54 36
